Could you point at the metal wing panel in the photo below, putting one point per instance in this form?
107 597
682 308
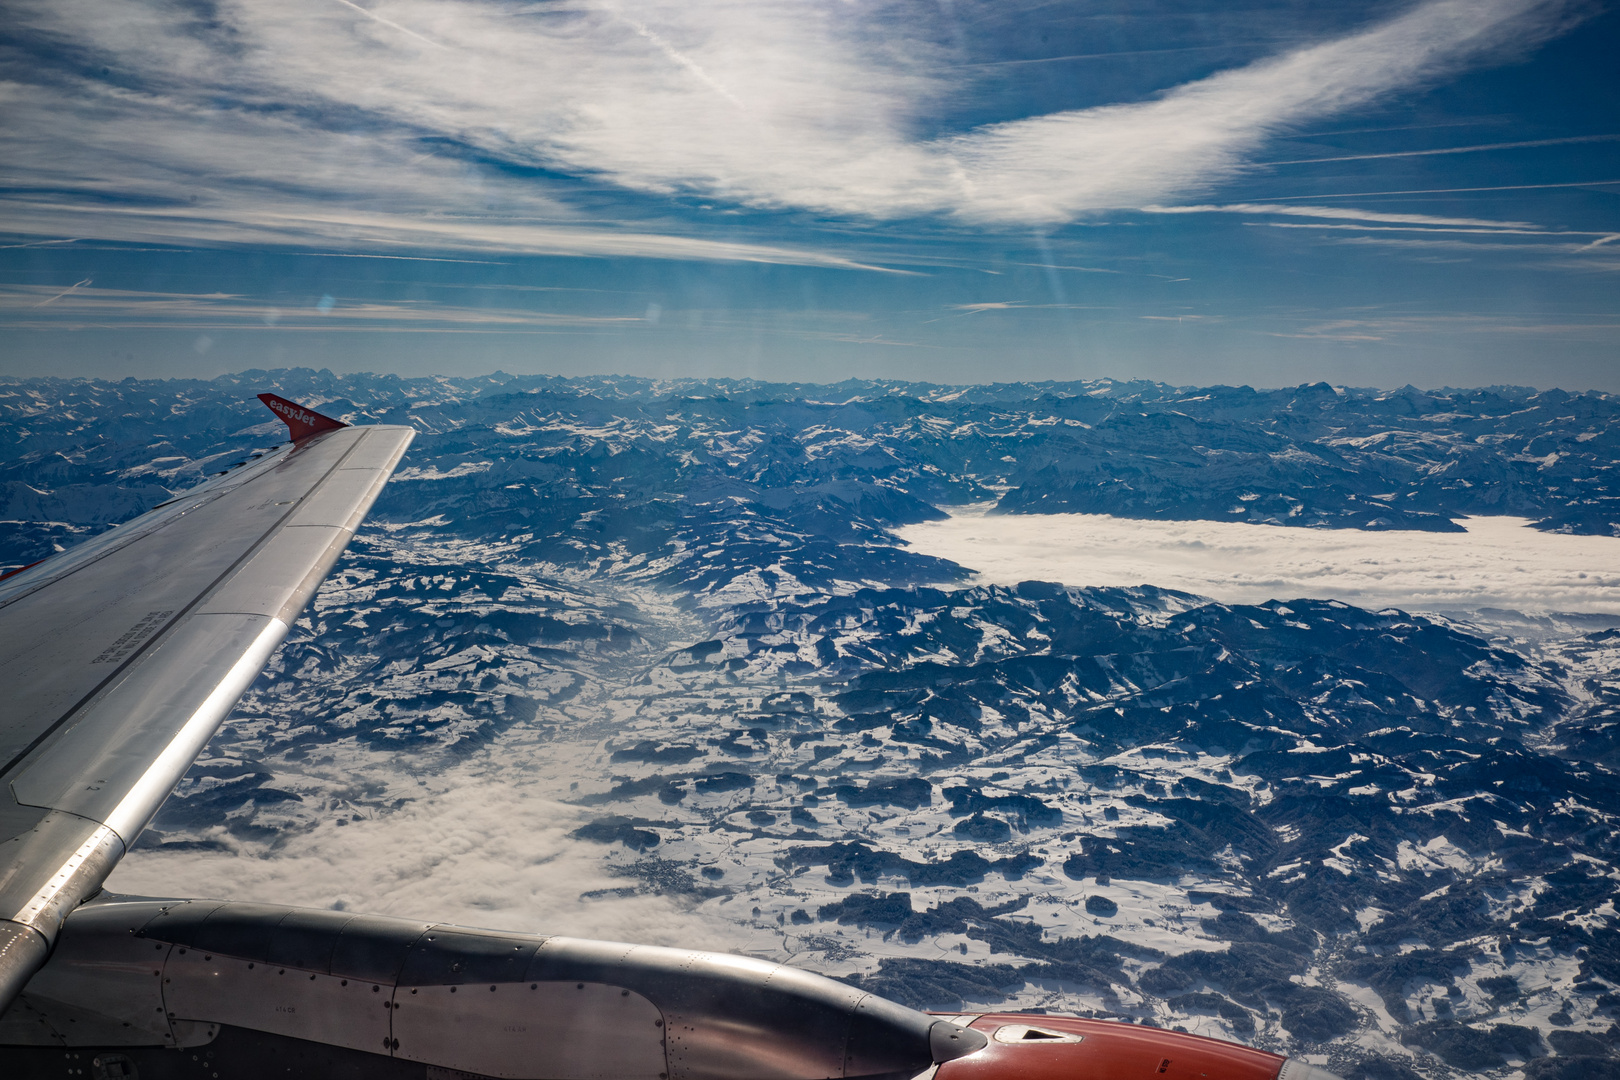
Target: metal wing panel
125 753
121 658
381 453
66 562
280 579
62 642
335 504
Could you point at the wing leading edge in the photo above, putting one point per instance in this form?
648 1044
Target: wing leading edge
121 657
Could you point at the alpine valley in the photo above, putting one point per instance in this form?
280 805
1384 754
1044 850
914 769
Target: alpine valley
1382 840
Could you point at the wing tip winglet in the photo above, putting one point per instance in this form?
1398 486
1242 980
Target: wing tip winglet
301 422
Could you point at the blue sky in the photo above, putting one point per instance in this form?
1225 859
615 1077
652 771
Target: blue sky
1371 194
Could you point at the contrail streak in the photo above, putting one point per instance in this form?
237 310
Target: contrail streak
1598 243
1454 150
64 292
1421 229
1441 190
674 54
390 23
1106 55
37 243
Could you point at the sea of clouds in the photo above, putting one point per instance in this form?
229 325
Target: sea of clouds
1500 562
486 843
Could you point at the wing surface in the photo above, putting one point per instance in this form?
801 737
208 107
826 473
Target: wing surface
119 659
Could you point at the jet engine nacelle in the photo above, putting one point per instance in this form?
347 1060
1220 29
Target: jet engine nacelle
146 985
159 989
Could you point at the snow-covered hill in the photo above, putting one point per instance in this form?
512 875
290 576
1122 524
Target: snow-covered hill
678 616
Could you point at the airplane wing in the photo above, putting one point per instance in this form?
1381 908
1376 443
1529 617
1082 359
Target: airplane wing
119 658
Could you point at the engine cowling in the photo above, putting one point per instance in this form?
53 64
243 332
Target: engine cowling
1028 1047
217 981
202 988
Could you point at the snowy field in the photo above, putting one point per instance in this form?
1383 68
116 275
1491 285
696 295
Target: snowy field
1499 562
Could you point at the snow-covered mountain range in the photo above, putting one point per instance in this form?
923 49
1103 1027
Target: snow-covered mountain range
681 611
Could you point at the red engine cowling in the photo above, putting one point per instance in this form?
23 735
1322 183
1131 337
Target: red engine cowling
1022 1046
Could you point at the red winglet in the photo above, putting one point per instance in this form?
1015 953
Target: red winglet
301 422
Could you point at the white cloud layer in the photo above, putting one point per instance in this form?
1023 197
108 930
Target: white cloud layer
1498 562
488 847
447 122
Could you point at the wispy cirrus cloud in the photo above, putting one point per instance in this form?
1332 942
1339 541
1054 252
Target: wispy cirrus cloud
1056 167
1429 229
1597 257
35 307
486 126
301 222
1387 326
1368 223
27 307
1338 213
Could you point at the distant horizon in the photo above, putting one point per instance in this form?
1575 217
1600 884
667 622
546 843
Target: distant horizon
751 382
